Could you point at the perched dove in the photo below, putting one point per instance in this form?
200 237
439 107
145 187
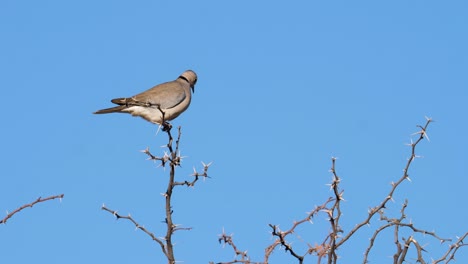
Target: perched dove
172 98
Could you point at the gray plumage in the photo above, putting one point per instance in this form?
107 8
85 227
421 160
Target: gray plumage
172 98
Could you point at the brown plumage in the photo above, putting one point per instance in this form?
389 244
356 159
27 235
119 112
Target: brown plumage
172 98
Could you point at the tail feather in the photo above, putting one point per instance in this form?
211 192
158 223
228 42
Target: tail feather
117 109
120 101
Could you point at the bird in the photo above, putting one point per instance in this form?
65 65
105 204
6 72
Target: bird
159 104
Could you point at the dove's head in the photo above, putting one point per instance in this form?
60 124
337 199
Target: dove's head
191 77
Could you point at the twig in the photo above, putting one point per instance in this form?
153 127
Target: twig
373 211
227 239
142 228
38 200
196 176
450 254
281 236
334 219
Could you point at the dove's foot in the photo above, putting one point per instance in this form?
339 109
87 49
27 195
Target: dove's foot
166 126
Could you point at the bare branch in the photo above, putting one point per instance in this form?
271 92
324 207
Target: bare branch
227 240
137 225
281 237
196 176
173 159
38 200
450 254
332 242
422 134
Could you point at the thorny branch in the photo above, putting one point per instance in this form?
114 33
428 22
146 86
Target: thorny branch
450 254
142 228
333 241
281 237
38 200
173 159
405 176
227 240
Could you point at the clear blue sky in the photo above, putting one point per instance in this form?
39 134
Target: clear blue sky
283 87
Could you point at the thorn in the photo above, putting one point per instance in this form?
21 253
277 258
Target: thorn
426 136
159 128
206 165
145 150
411 140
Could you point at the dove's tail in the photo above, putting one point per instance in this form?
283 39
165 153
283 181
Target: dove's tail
117 109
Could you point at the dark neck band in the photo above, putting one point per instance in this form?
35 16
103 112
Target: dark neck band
182 77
